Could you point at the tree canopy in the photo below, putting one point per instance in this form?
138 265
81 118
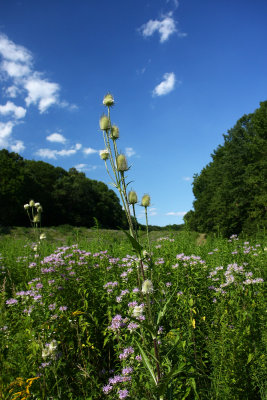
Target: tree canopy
67 197
231 191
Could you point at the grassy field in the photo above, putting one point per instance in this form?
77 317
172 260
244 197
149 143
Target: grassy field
76 323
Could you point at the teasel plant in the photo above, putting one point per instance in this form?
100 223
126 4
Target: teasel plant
117 167
34 211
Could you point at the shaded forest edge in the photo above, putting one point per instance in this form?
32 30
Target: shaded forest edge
67 197
231 191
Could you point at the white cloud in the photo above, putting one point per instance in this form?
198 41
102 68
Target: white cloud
13 52
165 26
18 146
11 108
48 153
66 152
41 92
12 91
177 213
89 150
80 167
166 86
17 64
15 70
187 178
56 137
5 132
129 151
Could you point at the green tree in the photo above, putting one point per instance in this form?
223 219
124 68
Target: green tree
230 191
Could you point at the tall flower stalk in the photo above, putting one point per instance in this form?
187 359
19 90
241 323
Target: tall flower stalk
117 166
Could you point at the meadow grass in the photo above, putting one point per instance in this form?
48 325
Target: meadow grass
74 319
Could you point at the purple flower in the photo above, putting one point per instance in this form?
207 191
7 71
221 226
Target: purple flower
132 326
11 301
63 308
116 323
138 358
52 306
107 389
123 393
127 370
126 352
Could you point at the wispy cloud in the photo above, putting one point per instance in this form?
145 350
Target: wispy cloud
56 137
176 213
89 150
18 146
129 151
166 26
166 86
54 154
187 178
85 167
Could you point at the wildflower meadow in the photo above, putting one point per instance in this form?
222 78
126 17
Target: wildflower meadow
131 314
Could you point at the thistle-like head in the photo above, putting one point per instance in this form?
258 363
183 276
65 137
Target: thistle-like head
108 100
104 123
132 197
104 154
114 132
147 287
145 202
122 165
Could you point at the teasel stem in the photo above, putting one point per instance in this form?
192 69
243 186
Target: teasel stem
127 206
148 240
135 221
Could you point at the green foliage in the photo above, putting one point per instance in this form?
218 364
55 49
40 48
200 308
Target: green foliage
66 197
208 306
231 191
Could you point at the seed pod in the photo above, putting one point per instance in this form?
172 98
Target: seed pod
31 203
26 206
36 218
132 197
145 202
108 100
104 154
114 132
122 163
147 287
39 209
104 123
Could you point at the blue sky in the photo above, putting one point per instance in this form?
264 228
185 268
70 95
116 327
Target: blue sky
182 73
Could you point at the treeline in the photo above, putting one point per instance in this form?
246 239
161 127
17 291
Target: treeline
231 191
67 197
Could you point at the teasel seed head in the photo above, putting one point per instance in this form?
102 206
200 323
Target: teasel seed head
108 100
104 123
114 132
122 163
132 197
147 287
145 202
104 154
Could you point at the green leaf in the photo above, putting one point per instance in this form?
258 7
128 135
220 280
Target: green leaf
147 363
165 382
163 311
136 245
